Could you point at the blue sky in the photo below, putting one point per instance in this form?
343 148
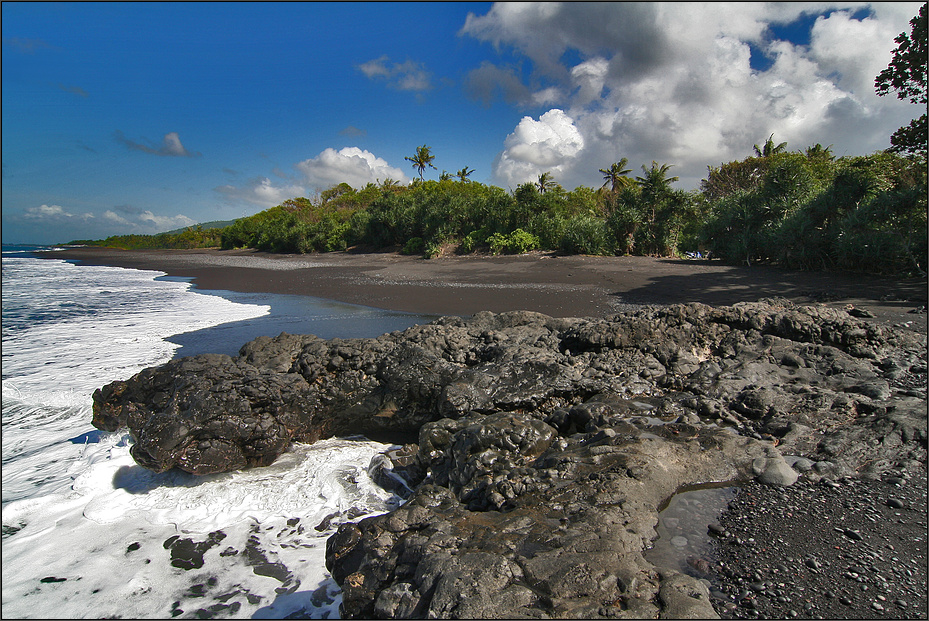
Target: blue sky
144 117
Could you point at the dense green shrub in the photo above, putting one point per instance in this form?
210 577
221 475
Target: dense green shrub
517 242
414 245
433 249
587 235
474 240
805 210
888 233
865 213
623 219
191 237
549 229
390 221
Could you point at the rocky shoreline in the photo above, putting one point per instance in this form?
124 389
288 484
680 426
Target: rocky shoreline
537 451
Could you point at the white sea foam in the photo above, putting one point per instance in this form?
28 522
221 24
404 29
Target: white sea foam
109 537
89 533
69 328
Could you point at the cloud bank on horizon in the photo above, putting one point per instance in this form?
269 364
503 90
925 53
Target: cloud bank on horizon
569 87
676 82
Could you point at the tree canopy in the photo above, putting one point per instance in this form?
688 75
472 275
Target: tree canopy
804 209
464 173
545 182
906 74
770 148
615 175
422 159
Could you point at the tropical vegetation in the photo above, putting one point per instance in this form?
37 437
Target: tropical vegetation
906 74
198 236
802 209
799 209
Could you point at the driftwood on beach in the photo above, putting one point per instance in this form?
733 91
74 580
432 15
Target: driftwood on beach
537 450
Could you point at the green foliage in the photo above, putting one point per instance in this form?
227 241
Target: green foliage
624 218
770 148
548 228
497 242
517 242
473 240
357 227
586 235
648 218
809 211
414 245
615 176
733 177
464 173
804 209
185 239
545 182
886 234
300 226
421 159
906 74
203 226
390 221
433 249
582 200
520 241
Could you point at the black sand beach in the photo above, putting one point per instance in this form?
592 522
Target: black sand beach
854 548
560 286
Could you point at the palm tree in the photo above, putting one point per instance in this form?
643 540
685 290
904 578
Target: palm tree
464 173
545 182
615 176
655 180
389 185
658 207
422 159
445 176
818 151
769 147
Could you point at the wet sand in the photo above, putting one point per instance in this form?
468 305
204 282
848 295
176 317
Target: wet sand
560 286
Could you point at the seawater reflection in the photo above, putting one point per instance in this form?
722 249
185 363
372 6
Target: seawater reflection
683 542
294 314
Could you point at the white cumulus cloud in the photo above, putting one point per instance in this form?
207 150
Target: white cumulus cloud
165 223
856 50
590 77
535 147
116 221
682 83
350 165
53 213
47 211
112 216
261 191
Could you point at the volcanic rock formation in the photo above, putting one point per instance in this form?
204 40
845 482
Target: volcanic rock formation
537 450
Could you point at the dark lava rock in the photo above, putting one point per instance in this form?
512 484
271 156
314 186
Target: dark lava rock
515 520
537 451
733 365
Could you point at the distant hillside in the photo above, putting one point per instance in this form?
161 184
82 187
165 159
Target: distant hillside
215 224
205 235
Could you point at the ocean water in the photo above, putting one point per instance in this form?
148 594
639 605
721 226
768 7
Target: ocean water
86 532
